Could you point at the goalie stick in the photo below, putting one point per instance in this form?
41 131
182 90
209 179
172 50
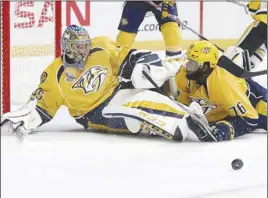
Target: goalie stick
203 125
230 67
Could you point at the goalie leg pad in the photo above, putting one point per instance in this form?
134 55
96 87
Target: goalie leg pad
152 110
163 126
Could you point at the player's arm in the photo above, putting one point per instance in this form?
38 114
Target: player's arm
243 117
41 107
50 99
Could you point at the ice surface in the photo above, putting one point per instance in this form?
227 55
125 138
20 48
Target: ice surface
63 161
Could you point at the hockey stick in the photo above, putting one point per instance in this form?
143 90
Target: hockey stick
176 19
239 4
232 67
201 123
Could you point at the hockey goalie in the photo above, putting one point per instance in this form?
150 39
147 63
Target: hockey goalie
104 89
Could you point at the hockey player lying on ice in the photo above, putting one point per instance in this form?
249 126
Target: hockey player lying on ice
104 89
233 105
94 74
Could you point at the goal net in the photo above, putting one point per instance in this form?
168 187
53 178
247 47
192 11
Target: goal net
29 31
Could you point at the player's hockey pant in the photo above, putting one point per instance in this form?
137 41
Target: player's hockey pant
134 13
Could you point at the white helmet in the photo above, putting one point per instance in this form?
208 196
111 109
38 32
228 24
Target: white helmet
76 46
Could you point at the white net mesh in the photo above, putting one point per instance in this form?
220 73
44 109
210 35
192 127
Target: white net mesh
32 45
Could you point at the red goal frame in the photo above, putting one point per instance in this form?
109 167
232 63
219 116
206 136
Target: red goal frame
5 48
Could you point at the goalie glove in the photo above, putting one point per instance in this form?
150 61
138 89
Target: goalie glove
159 71
22 121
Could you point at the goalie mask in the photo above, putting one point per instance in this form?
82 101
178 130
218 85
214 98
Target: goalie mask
202 58
76 46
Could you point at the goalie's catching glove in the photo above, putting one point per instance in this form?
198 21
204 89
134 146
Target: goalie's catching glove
21 121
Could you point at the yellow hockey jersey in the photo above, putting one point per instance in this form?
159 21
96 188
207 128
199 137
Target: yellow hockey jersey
81 91
258 10
224 95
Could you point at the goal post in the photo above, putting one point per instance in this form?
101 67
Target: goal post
30 40
5 56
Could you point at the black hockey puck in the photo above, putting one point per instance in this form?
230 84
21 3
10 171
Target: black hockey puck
237 164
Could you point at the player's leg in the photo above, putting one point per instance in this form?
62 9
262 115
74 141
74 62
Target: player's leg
132 16
254 39
254 36
171 32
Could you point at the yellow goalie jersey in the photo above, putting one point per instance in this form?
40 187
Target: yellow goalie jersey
223 95
82 92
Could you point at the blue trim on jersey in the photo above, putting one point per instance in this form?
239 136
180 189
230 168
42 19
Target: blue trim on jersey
43 114
255 92
243 125
95 116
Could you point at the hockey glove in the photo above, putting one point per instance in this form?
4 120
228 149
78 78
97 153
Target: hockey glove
22 121
166 8
223 130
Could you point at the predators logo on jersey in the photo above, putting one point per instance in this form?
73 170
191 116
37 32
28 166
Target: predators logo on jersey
92 80
207 107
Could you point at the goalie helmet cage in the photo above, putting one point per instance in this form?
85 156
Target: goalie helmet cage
25 28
